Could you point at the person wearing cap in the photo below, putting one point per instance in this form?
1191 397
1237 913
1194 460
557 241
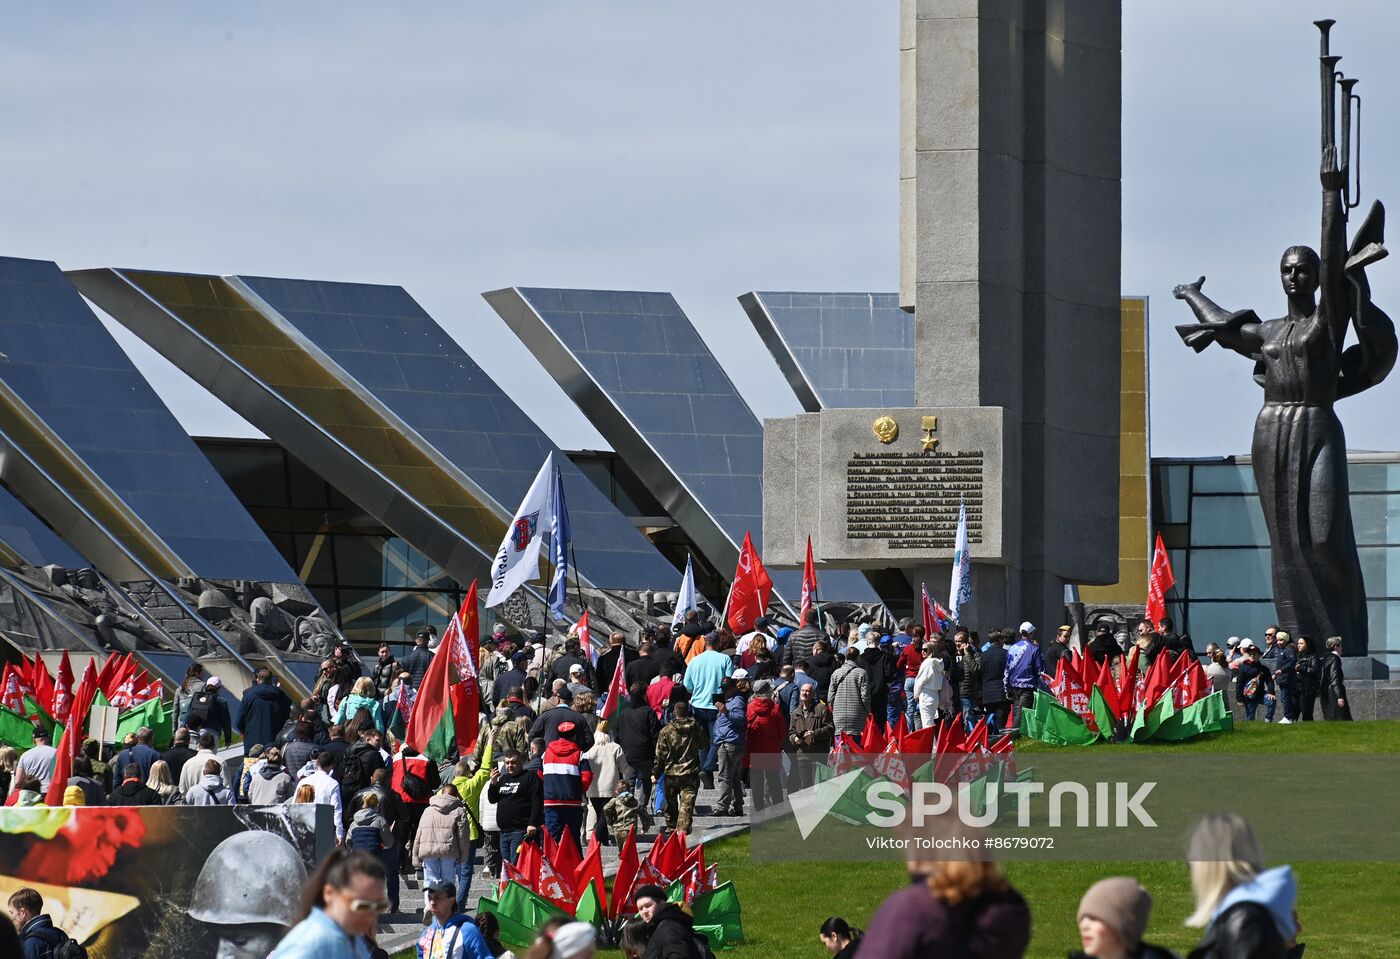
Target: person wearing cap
1233 653
1023 668
567 776
514 676
1103 647
39 760
1113 918
576 683
562 665
1254 683
448 933
419 659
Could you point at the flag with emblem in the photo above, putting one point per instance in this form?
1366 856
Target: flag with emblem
518 560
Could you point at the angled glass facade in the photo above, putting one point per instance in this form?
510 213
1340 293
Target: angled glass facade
838 350
1209 515
78 406
31 542
638 369
391 347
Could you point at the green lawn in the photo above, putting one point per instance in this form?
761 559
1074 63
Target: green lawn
1346 908
1382 736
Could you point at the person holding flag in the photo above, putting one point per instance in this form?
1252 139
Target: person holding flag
809 587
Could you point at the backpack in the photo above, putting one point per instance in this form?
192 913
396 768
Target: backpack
353 775
61 945
201 706
415 786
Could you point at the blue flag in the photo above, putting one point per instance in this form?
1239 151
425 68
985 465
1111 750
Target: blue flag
561 537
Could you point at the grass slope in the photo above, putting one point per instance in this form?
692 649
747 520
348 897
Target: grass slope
1346 908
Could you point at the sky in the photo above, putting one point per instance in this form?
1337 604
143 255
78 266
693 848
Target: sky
701 149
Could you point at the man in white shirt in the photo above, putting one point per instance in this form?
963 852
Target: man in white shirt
327 789
193 770
39 760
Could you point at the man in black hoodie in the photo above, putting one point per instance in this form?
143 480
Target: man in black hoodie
879 669
519 798
133 790
635 730
670 932
820 665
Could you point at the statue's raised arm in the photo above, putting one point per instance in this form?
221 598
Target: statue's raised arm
1238 331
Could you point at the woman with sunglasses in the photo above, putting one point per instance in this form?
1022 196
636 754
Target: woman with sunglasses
341 906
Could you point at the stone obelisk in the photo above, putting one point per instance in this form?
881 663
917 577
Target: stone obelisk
1010 231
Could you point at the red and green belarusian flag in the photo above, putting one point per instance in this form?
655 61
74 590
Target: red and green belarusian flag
445 711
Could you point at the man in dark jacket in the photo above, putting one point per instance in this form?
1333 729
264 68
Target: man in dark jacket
510 678
607 663
879 668
263 711
994 701
386 667
802 643
569 657
1103 646
635 730
546 726
300 749
645 668
38 935
143 754
1059 647
820 665
360 762
418 661
670 932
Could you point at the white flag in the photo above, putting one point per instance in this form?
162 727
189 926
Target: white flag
961 592
686 598
518 559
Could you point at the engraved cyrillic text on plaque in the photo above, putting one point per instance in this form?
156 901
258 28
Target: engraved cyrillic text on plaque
910 500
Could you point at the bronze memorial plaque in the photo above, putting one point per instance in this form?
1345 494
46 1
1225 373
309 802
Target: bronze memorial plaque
910 500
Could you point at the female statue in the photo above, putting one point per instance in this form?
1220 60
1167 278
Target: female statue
1299 449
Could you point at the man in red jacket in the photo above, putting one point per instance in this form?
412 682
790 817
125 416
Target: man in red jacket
767 731
567 777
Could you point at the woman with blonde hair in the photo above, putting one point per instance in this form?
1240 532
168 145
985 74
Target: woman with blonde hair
163 783
9 762
1245 909
362 696
953 906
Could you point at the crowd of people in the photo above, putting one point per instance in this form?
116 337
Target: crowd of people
747 716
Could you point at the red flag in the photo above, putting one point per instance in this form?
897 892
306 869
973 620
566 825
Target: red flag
43 685
591 871
930 615
584 632
1104 682
901 730
11 690
63 691
748 596
528 861
72 738
891 765
1158 582
1127 683
616 689
668 855
872 740
565 856
809 585
647 873
552 886
920 742
436 696
625 879
1158 679
510 874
